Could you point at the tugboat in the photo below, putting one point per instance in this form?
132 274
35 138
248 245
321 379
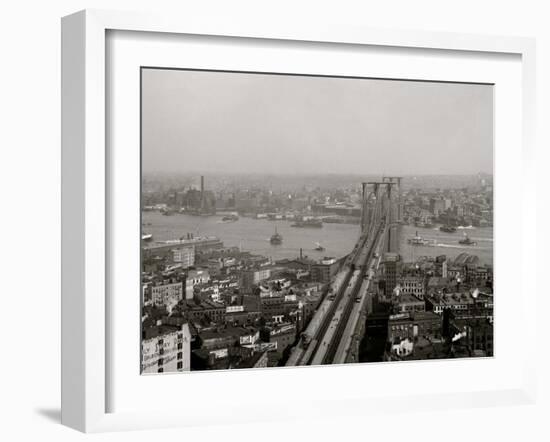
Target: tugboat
319 247
417 240
467 241
276 238
448 229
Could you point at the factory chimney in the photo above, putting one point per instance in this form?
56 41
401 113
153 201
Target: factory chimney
202 193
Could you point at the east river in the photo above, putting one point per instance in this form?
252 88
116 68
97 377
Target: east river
253 235
447 243
338 239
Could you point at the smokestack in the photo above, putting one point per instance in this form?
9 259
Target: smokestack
202 192
399 208
300 253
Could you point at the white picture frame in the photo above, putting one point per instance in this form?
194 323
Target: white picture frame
85 199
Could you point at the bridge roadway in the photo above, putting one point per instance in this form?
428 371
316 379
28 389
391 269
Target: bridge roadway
329 334
359 307
302 352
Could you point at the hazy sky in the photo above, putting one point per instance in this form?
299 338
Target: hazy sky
234 122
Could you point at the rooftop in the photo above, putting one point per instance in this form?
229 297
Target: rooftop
466 258
251 361
436 281
460 298
226 331
414 316
158 331
391 256
406 298
203 305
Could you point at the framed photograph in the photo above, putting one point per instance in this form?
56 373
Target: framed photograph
316 213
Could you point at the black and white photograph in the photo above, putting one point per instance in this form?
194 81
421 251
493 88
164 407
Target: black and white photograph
293 220
284 221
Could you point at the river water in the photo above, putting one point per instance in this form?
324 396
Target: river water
447 243
338 239
253 234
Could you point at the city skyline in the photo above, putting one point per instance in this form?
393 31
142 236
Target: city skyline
249 278
289 182
300 124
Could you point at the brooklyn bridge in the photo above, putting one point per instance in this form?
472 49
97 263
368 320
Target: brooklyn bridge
338 326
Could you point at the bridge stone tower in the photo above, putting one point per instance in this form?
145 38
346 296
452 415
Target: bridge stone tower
370 201
377 201
398 213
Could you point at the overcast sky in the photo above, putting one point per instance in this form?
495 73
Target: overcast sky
234 122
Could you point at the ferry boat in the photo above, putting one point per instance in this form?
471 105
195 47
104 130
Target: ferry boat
319 247
147 237
467 241
316 223
417 240
230 218
199 242
276 238
424 224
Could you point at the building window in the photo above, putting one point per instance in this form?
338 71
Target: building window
161 370
180 365
160 361
180 355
